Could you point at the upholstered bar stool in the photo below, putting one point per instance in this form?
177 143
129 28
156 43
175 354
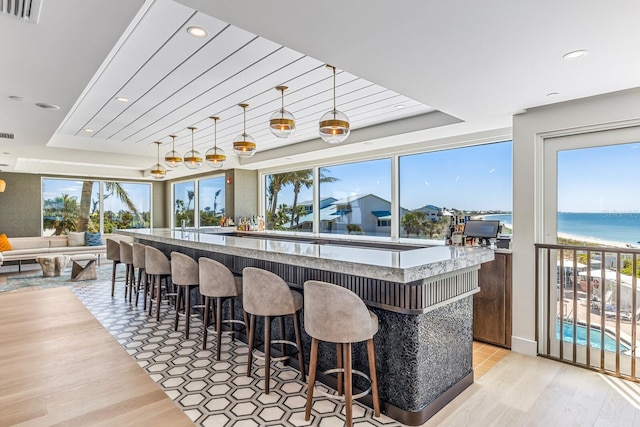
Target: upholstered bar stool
217 282
158 267
113 254
185 276
138 263
266 294
126 257
337 315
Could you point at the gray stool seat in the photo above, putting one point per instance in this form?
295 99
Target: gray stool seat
138 262
184 276
158 267
336 314
266 294
126 258
217 282
83 267
113 254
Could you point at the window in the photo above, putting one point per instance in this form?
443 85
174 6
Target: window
126 205
183 203
74 205
354 197
473 181
211 200
289 201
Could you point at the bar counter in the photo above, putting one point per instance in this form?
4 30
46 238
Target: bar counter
422 296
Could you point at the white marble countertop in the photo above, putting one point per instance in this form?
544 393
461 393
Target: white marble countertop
402 266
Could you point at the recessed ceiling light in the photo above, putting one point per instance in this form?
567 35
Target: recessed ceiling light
575 54
399 106
16 98
47 106
197 32
553 94
88 130
122 99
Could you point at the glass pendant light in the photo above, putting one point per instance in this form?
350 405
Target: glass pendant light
158 171
192 159
215 156
244 145
334 124
282 123
172 158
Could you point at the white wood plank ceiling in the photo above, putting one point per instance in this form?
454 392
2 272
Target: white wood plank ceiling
174 80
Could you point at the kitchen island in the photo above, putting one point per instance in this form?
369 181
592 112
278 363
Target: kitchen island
422 296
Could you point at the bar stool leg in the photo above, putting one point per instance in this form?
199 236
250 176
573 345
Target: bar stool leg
207 304
312 377
152 281
267 353
130 280
113 278
348 400
251 338
158 292
179 298
187 309
296 328
232 309
138 285
374 379
218 327
283 349
340 382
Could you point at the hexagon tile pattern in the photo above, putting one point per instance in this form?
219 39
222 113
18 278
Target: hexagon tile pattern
211 393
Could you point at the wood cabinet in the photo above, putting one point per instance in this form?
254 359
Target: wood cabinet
492 305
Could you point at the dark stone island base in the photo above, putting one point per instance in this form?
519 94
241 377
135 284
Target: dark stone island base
423 360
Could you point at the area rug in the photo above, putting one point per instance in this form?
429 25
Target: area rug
37 281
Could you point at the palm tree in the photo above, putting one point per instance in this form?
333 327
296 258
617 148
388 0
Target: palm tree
111 188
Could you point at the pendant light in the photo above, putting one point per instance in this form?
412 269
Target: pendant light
172 158
334 124
215 156
244 145
158 171
282 123
192 159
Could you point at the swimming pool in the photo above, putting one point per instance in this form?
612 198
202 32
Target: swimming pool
594 337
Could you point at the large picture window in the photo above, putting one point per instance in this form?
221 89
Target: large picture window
211 201
472 181
355 198
289 201
74 205
184 194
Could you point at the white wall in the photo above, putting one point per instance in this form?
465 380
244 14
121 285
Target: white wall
602 112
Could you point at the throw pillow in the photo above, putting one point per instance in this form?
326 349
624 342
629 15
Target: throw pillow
4 243
76 238
93 239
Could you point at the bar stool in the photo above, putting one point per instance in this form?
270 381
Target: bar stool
335 314
185 277
113 254
217 281
126 257
266 294
158 267
138 262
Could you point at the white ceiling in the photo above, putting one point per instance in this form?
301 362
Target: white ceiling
456 67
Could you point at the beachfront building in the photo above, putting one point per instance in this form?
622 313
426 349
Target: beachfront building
434 213
141 76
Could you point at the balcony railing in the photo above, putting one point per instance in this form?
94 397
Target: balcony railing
588 307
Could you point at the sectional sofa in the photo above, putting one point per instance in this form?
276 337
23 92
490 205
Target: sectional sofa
28 248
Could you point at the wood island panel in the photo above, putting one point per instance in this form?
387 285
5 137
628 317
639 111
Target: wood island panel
58 365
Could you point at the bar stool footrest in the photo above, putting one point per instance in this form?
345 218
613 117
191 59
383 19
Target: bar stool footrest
277 359
341 370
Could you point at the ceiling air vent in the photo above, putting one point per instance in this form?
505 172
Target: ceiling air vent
6 135
27 10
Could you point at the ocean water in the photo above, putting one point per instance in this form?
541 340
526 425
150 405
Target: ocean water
610 227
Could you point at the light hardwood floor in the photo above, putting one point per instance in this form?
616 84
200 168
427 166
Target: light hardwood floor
58 365
532 391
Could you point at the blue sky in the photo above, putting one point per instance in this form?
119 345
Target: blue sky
599 179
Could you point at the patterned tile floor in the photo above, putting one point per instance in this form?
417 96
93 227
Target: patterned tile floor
212 393
219 393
